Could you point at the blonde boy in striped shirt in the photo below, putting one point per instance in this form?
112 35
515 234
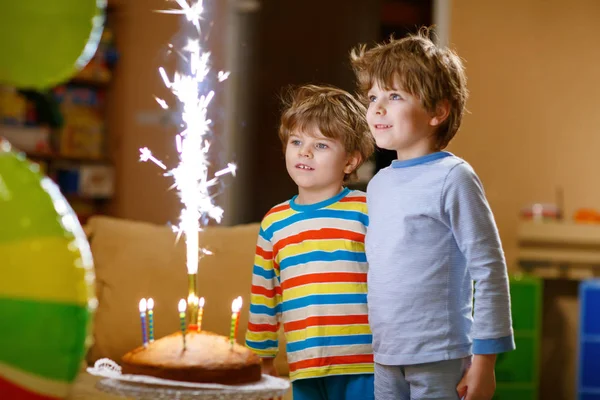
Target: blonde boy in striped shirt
310 270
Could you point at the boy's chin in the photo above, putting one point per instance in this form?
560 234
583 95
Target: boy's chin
384 146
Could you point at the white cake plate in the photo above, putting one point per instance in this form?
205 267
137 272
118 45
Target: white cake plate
150 388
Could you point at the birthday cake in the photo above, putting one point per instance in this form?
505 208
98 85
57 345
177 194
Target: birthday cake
207 358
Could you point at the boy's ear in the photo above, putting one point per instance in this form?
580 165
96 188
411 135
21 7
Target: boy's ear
353 160
441 113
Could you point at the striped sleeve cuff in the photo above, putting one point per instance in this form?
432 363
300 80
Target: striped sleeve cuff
494 346
266 348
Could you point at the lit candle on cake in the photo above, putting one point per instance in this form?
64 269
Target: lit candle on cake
182 306
142 308
236 305
151 320
200 312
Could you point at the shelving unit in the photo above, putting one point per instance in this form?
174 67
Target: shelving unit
63 129
517 372
588 380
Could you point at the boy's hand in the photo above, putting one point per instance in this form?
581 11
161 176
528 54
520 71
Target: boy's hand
268 367
479 381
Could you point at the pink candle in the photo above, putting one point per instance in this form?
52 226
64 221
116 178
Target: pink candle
200 313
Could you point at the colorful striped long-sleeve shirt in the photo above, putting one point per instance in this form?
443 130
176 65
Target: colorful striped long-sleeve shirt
310 273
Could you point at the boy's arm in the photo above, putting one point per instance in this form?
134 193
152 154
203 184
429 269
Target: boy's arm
264 317
472 223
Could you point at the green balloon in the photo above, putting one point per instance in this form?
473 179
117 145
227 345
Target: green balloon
46 284
45 42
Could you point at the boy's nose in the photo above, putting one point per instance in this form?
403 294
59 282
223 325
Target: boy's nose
380 110
305 152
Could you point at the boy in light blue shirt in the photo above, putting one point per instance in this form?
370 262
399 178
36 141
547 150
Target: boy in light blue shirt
431 233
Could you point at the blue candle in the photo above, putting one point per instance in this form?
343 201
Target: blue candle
143 318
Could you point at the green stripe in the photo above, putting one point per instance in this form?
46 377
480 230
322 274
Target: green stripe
26 209
45 339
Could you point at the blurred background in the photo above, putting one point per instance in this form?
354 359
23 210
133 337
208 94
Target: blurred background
531 133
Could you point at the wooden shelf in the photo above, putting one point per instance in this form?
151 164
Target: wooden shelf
568 233
559 250
59 157
88 83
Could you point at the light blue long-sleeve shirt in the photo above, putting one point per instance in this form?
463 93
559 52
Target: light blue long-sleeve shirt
431 234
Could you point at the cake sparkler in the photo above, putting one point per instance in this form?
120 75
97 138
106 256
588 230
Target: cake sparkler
191 175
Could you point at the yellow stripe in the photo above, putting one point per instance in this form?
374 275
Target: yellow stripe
329 330
43 269
262 300
34 383
349 206
324 288
334 370
267 265
259 337
265 354
320 245
276 217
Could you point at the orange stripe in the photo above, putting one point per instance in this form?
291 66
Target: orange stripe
335 360
270 293
262 327
327 277
9 390
325 321
267 255
361 199
320 234
282 207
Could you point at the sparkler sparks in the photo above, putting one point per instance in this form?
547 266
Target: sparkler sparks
191 175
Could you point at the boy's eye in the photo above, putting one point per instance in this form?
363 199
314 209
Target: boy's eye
372 99
395 96
322 146
295 142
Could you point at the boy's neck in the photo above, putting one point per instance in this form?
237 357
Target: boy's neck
308 196
416 151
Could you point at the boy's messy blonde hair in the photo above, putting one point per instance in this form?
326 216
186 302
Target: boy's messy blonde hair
430 73
334 112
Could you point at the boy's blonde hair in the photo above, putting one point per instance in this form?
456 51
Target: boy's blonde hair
334 112
430 73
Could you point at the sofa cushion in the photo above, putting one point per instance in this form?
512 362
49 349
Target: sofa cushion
138 259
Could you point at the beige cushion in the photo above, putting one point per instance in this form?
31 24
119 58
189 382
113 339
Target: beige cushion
137 259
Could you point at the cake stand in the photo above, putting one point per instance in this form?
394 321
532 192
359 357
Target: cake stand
150 388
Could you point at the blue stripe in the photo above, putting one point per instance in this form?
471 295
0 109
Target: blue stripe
321 204
323 299
321 213
265 235
260 271
313 256
322 341
493 346
420 160
264 345
262 309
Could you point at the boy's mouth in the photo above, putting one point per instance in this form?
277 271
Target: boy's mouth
304 167
382 126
